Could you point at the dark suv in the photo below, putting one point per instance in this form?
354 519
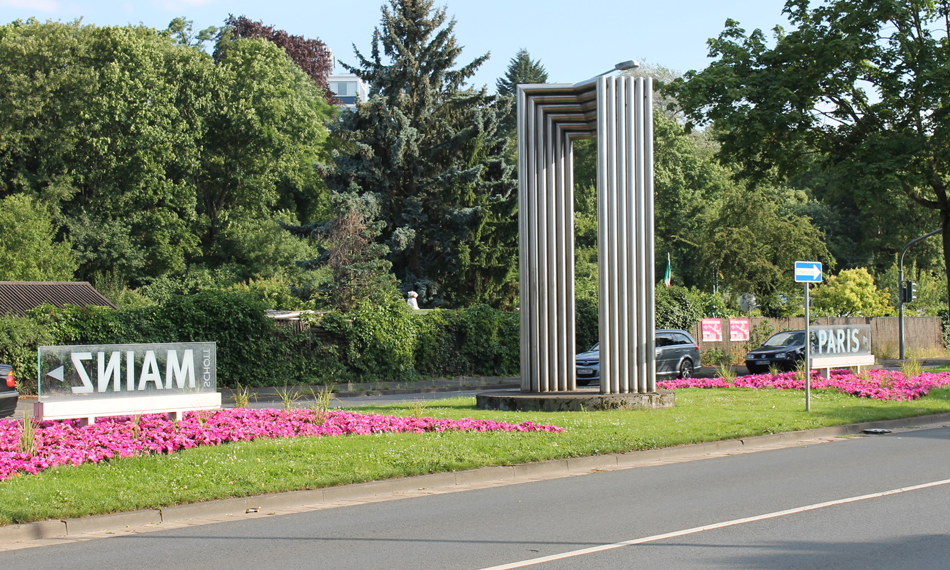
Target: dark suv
677 354
8 393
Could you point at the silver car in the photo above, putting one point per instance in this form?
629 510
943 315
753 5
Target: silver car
677 355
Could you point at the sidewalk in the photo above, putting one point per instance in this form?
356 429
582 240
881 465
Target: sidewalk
356 389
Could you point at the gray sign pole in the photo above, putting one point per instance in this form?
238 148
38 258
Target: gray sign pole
807 352
807 272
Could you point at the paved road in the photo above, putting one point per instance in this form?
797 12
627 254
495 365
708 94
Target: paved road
861 503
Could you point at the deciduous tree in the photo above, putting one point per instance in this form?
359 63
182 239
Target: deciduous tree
752 237
104 122
29 250
311 55
852 293
148 150
859 87
264 130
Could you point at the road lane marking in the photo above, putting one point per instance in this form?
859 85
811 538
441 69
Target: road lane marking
698 529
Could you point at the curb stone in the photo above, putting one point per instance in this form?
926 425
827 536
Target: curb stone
51 529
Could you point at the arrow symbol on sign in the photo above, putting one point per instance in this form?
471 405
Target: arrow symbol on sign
810 270
57 374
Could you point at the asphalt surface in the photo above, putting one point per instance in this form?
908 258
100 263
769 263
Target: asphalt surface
796 501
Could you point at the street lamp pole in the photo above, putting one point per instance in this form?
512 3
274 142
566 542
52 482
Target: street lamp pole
900 288
622 66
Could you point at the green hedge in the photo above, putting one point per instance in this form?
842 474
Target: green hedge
372 343
19 338
250 351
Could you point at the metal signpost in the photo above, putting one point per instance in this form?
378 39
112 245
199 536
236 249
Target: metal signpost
807 272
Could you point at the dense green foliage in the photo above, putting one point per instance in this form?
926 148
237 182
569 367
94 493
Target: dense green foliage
679 308
28 247
857 94
149 151
357 271
851 293
430 151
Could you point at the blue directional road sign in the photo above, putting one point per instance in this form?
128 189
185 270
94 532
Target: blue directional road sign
808 272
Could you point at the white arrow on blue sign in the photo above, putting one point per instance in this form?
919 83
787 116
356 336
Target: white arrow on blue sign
808 272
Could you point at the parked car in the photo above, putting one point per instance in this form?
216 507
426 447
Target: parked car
784 351
8 392
677 354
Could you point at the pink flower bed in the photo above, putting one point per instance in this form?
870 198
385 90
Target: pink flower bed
65 442
877 383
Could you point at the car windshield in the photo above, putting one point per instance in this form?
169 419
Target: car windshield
785 339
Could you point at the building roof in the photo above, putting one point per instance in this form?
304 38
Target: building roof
17 297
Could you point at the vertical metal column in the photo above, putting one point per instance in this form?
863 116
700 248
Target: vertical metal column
626 371
645 95
645 349
603 241
525 286
634 242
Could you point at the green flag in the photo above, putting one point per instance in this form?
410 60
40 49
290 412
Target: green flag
668 279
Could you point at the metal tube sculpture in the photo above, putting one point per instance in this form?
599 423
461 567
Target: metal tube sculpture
618 112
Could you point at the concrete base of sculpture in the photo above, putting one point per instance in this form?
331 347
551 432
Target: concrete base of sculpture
516 400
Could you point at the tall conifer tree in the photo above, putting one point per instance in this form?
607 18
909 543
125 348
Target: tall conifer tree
521 69
428 146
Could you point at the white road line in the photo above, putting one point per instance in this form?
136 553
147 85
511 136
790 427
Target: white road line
602 548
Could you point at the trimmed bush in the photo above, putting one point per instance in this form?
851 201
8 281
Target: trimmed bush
381 340
491 340
375 342
19 338
438 351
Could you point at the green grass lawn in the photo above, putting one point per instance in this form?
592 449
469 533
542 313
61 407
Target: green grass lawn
267 466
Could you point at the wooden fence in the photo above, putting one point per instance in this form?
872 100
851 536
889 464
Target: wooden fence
921 334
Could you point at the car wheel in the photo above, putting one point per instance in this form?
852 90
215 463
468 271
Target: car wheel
686 369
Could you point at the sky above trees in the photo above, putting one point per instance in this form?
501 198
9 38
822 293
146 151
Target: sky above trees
599 33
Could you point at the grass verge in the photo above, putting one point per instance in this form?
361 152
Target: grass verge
266 466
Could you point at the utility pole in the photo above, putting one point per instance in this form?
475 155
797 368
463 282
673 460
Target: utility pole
900 288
